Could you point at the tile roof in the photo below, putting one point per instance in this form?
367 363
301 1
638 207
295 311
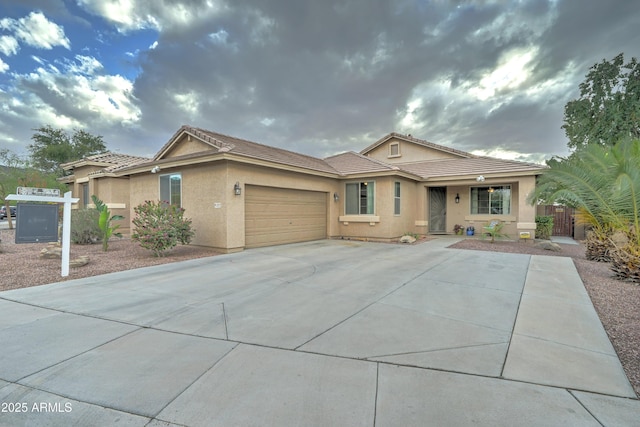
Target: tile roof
352 163
112 162
344 164
241 147
417 141
472 166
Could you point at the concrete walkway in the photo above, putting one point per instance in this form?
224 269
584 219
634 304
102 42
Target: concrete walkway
320 334
564 240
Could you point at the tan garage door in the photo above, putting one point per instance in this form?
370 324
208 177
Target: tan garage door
275 216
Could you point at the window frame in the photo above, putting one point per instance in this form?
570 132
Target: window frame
170 200
370 187
84 189
391 146
397 193
475 202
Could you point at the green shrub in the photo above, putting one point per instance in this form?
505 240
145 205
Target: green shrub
159 227
84 226
544 226
104 222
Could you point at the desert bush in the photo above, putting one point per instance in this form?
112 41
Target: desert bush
159 227
544 226
84 226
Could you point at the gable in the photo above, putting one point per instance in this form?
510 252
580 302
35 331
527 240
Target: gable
400 150
187 144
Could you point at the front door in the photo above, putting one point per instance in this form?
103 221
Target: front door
437 209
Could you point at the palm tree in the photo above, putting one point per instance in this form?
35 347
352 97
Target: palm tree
603 183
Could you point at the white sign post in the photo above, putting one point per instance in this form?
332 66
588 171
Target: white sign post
67 200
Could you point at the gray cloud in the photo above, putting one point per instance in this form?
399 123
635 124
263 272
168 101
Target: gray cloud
330 72
324 77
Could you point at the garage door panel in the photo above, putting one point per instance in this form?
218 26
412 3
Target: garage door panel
278 215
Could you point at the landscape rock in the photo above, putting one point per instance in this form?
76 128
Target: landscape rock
51 251
79 262
548 245
407 239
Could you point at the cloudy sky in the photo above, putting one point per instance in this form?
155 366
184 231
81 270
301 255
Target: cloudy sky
318 77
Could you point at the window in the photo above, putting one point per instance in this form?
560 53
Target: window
85 195
494 200
396 199
394 149
359 200
170 189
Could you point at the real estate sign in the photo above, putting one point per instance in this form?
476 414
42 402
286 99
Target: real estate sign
37 223
33 191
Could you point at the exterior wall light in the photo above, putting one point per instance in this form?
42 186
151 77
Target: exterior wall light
336 197
155 169
480 178
236 189
457 198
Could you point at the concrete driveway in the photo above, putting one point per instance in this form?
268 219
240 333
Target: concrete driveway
323 333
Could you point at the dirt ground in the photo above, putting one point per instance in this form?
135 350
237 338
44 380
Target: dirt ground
616 302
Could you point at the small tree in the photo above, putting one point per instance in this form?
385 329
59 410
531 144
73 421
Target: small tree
160 226
104 222
52 147
608 109
493 229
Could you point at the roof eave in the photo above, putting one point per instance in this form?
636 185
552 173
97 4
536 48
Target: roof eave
370 174
66 179
498 175
84 162
199 158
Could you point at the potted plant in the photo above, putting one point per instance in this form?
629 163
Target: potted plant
458 229
471 230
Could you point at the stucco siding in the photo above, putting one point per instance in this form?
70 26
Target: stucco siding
409 152
187 145
384 224
266 177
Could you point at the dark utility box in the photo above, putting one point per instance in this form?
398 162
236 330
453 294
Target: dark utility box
37 223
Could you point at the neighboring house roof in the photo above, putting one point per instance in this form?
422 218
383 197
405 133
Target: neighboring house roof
227 144
471 166
110 162
422 142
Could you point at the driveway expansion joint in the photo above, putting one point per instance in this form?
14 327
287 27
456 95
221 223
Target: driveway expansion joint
332 310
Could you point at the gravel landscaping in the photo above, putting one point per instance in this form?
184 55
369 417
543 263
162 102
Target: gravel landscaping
22 266
616 302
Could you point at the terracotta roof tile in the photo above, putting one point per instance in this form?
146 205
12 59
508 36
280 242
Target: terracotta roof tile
473 166
264 152
352 163
109 160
